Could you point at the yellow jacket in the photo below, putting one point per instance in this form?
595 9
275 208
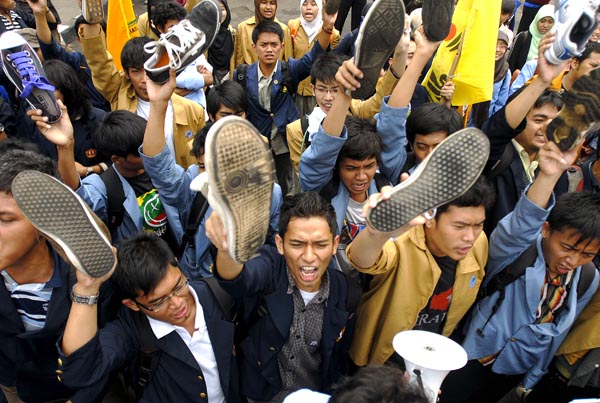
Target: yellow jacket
118 90
584 334
361 109
144 27
242 48
301 46
405 276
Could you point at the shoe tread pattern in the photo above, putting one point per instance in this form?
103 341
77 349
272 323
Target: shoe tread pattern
380 36
92 11
437 18
59 214
244 174
579 112
452 168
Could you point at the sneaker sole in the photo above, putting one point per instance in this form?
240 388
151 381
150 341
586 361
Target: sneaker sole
92 11
241 174
437 19
57 212
579 115
447 173
378 35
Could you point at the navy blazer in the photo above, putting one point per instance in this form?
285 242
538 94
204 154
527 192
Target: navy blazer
177 377
263 283
283 108
29 360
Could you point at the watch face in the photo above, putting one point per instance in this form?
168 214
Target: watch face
1 127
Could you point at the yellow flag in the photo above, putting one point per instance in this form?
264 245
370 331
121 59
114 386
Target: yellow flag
121 25
475 24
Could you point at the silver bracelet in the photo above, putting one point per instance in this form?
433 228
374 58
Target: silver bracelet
84 299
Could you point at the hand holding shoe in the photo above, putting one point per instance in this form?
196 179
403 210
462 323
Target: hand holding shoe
59 133
547 71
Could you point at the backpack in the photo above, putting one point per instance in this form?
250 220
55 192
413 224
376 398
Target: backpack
197 212
115 197
287 82
148 354
305 133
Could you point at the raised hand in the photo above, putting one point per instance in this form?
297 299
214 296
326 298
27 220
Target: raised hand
59 133
547 71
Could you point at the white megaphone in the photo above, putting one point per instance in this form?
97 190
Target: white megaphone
428 358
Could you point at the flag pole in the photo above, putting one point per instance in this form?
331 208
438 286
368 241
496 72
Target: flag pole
453 67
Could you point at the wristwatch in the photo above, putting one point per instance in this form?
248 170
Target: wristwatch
90 170
523 392
84 299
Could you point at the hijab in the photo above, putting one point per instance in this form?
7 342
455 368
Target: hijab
221 49
536 35
502 65
312 28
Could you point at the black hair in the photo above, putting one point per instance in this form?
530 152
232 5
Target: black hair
579 211
306 205
508 6
590 47
363 141
133 54
431 117
230 94
143 262
549 96
267 26
166 11
75 94
200 140
120 133
18 155
377 384
324 68
482 193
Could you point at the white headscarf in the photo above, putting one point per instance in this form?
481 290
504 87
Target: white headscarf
312 28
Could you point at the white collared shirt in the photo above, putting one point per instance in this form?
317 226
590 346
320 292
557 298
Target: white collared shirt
200 347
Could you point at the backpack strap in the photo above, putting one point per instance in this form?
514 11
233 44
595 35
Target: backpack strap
305 134
225 301
115 198
288 81
511 273
148 354
503 163
354 294
240 74
585 278
197 212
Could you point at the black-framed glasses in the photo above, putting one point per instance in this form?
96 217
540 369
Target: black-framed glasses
179 290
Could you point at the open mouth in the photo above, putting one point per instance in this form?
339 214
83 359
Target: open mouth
308 273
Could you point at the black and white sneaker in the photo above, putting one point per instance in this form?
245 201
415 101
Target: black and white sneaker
437 18
66 220
240 172
183 43
580 113
447 173
378 35
24 69
92 11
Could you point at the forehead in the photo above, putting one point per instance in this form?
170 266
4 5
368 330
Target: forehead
308 229
468 215
227 110
358 163
164 286
268 37
573 237
593 57
547 110
431 138
8 204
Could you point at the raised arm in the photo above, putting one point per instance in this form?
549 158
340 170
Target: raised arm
159 95
227 268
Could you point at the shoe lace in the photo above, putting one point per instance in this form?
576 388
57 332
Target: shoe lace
30 77
178 41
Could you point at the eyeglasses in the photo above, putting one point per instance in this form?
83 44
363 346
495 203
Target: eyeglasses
180 289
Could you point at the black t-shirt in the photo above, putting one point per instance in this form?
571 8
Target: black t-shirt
433 317
152 210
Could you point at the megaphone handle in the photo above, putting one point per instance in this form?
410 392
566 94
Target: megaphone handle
417 372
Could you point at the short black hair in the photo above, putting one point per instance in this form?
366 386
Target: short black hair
508 6
76 96
590 47
306 205
230 94
363 141
200 140
143 261
18 155
133 54
267 26
377 384
432 117
324 68
482 193
579 211
120 133
549 96
166 11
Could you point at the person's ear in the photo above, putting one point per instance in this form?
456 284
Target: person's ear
279 244
130 304
546 229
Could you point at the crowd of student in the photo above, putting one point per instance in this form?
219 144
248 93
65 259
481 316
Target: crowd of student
179 320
